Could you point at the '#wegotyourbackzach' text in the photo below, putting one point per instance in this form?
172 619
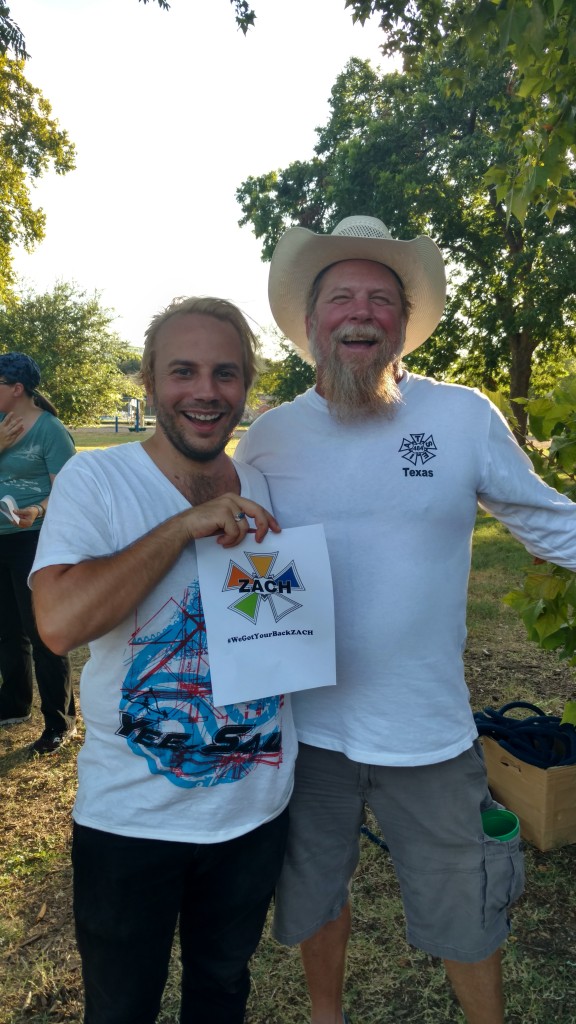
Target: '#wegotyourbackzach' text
275 632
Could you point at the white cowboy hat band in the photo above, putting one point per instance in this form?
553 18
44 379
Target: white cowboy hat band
301 255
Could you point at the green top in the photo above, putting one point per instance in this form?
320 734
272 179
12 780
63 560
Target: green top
26 467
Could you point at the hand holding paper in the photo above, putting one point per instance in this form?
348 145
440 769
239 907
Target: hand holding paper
269 612
227 516
8 508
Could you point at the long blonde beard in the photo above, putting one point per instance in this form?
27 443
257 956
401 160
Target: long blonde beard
357 389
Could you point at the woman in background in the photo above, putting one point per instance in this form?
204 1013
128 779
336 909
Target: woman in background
34 445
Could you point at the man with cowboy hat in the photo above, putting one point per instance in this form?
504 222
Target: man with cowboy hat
394 465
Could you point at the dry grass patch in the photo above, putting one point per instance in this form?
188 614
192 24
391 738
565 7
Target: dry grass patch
39 965
387 982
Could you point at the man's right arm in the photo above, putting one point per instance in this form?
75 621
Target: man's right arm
75 604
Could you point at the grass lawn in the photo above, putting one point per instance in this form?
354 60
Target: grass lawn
387 980
88 438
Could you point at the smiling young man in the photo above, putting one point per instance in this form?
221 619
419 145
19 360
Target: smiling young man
394 465
175 819
198 389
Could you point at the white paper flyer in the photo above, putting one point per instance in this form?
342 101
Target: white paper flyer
8 508
269 612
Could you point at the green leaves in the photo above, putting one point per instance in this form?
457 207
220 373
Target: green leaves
546 604
30 142
546 601
245 16
538 38
408 149
273 201
163 4
69 335
283 379
11 36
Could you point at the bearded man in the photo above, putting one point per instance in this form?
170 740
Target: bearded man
394 465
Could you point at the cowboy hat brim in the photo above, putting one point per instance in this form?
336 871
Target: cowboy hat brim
301 255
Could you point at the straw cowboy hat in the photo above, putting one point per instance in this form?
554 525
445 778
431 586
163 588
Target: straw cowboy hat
301 254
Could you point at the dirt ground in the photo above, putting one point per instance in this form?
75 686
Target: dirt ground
501 669
39 964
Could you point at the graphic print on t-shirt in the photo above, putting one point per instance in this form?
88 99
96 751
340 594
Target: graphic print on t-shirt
167 713
418 447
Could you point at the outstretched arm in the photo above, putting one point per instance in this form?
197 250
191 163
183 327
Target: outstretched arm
75 604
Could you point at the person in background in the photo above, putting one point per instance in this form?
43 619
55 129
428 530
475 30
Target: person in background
34 445
394 465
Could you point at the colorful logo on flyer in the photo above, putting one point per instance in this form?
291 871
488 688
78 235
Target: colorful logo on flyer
261 584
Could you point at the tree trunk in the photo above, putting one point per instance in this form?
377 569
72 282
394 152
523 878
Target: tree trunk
521 351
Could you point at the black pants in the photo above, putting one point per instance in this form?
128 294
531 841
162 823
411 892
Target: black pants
128 896
20 645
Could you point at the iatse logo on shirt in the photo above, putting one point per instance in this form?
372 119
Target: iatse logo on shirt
418 449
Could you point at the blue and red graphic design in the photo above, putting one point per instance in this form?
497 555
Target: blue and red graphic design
167 713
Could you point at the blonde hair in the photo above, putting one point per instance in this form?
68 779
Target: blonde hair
205 305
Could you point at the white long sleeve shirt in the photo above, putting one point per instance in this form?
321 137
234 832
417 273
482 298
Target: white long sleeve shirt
398 500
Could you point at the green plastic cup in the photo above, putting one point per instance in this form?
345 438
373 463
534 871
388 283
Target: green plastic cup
500 824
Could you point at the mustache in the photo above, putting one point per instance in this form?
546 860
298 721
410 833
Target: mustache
362 332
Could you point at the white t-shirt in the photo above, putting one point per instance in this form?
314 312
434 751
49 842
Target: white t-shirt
160 760
398 500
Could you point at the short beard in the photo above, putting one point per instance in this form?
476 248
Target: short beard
169 426
361 389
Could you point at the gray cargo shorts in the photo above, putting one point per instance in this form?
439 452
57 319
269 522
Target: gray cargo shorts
457 884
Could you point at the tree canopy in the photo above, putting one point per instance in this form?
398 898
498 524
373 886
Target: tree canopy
538 37
11 36
283 379
537 110
70 336
30 142
408 150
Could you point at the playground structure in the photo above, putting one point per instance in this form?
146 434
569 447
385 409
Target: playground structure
133 416
138 405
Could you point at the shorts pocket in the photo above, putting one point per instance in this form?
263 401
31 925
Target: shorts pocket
476 752
504 876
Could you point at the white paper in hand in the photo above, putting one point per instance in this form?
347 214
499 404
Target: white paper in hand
269 612
8 508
